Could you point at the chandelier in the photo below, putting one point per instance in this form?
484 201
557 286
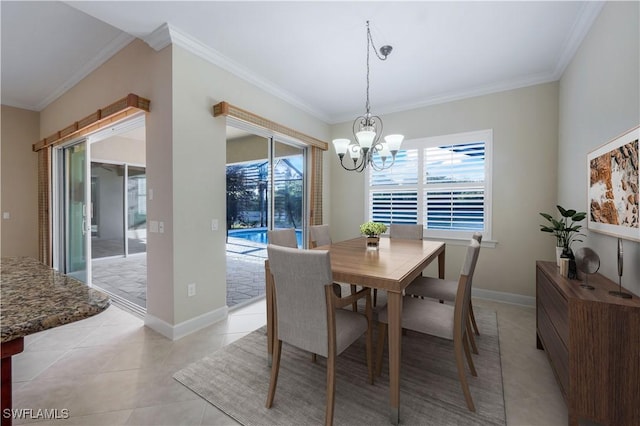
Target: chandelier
367 130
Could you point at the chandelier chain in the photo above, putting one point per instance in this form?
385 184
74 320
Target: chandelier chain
382 57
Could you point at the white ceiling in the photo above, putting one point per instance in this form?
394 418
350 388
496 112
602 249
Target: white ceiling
312 54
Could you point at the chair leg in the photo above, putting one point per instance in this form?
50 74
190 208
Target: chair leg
472 340
382 335
370 363
275 367
314 358
375 297
473 319
354 305
467 353
461 374
331 389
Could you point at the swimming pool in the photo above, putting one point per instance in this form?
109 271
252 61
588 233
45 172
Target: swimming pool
259 235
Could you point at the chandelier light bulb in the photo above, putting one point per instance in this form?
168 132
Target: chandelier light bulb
340 145
394 142
354 152
365 138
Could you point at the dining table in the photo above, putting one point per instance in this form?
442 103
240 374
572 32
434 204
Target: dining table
391 267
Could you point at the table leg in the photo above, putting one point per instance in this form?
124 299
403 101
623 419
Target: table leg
394 307
441 265
7 350
268 280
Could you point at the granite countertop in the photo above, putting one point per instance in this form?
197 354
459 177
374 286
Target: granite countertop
35 297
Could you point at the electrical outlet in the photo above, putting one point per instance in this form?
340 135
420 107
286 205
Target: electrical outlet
191 289
214 224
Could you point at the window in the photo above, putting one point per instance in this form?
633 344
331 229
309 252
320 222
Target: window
442 182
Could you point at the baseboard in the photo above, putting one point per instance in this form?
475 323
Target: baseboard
499 296
178 331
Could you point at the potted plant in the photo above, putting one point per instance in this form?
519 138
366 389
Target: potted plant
565 229
373 230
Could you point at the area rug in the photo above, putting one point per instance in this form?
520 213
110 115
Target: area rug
236 380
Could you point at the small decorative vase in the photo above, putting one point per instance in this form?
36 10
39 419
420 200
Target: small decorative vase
373 242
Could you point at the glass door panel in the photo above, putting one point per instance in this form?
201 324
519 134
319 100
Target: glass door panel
137 209
288 185
77 212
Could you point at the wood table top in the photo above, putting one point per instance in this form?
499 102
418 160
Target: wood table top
392 267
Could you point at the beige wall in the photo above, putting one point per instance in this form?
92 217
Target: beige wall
136 69
600 99
19 233
199 172
525 128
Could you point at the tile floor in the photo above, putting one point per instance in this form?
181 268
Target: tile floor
111 370
126 277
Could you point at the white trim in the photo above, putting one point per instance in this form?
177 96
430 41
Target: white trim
90 66
499 296
420 144
135 122
167 33
178 331
582 25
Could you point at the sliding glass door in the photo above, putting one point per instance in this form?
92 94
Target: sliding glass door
288 186
73 204
266 189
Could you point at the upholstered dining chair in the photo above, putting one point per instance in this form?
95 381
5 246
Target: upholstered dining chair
283 237
287 238
404 231
440 320
320 235
308 314
445 291
408 232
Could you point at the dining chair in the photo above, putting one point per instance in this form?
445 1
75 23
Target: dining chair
408 232
445 291
404 231
287 238
440 320
283 237
320 235
309 315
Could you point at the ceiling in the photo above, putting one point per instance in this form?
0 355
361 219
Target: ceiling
312 54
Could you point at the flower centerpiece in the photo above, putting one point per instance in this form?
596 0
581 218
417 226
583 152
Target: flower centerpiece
565 229
373 230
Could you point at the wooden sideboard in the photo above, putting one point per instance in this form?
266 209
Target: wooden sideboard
592 340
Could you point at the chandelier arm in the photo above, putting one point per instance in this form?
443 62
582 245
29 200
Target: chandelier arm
356 167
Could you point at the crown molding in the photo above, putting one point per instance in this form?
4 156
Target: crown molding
105 54
582 25
167 34
457 95
159 38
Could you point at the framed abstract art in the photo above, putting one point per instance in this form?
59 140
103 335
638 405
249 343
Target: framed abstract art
613 187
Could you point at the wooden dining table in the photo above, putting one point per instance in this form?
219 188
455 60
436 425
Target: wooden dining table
392 267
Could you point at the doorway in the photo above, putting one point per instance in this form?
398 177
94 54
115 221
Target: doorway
100 212
266 189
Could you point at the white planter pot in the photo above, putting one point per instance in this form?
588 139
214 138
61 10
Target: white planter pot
558 253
